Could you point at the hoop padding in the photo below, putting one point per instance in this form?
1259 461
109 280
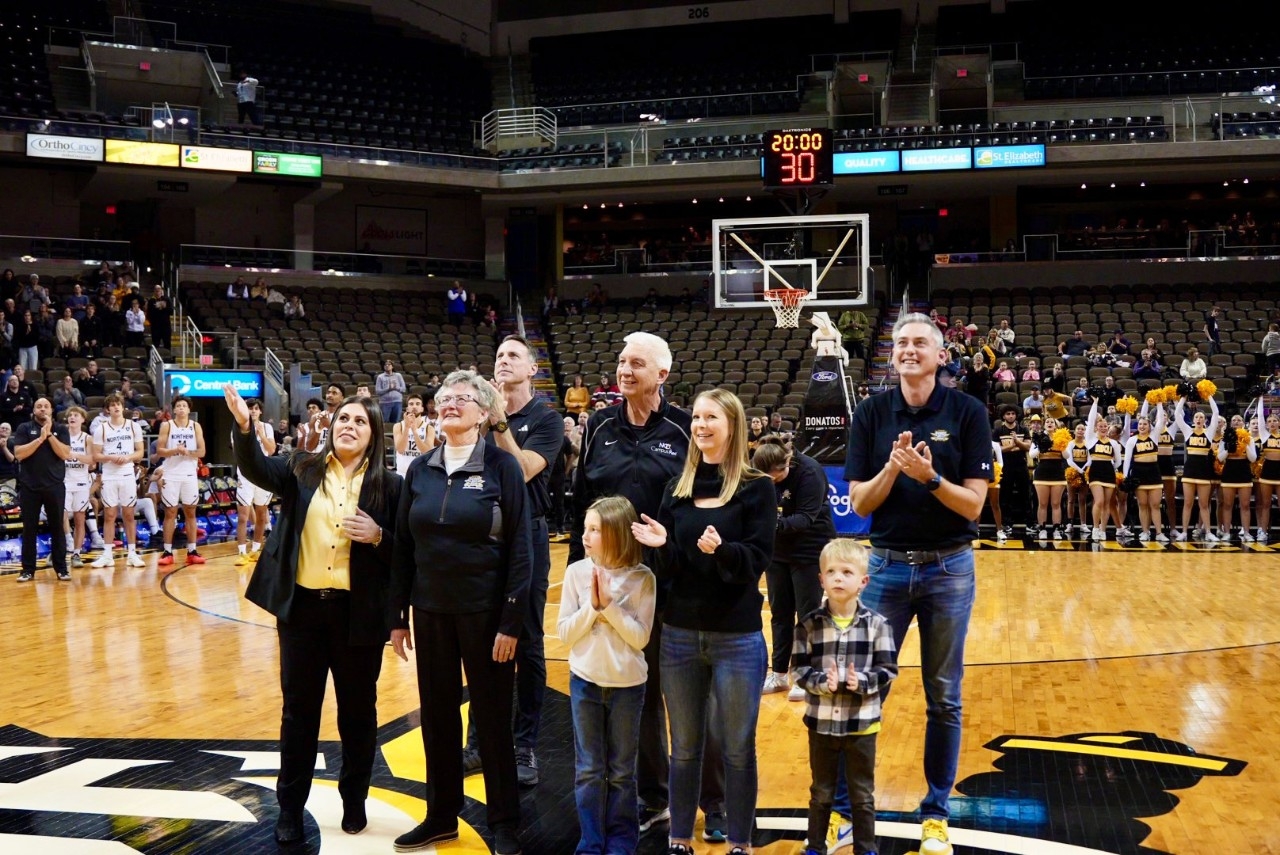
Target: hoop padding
786 305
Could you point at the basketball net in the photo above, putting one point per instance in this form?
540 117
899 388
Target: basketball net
786 305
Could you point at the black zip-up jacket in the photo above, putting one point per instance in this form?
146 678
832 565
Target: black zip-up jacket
622 459
463 542
804 513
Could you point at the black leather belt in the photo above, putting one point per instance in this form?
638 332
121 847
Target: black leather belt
918 556
325 593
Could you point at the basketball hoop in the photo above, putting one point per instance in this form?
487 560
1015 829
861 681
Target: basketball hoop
786 305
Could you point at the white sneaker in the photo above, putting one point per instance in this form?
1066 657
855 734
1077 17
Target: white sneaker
1245 537
1001 537
1099 534
1057 532
96 542
774 682
104 560
135 560
1161 537
1262 536
1144 537
1210 537
1044 534
1083 528
1123 531
796 693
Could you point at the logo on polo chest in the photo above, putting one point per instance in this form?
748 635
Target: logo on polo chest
473 482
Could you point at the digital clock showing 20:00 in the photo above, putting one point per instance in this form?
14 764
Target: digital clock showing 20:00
797 158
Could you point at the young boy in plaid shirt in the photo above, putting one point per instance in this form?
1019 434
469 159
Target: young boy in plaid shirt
843 658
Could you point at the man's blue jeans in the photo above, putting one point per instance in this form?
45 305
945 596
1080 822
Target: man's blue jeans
940 597
695 667
606 737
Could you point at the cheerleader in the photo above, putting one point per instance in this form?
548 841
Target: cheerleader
1104 460
1050 479
1197 468
1076 455
1140 463
1168 477
1237 455
1269 477
1120 495
993 492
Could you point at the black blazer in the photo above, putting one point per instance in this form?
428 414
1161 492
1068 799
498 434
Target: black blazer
273 582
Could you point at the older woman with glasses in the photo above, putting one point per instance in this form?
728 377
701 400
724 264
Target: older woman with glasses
463 560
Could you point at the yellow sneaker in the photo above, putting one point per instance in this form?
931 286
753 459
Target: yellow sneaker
933 837
243 559
839 834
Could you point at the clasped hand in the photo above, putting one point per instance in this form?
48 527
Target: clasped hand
913 461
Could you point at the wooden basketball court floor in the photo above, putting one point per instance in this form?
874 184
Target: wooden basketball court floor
1116 700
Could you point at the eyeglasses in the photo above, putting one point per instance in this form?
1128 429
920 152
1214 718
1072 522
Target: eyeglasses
450 400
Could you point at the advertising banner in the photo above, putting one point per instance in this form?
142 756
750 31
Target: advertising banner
65 148
208 384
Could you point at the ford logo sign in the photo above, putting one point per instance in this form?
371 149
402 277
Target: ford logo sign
824 376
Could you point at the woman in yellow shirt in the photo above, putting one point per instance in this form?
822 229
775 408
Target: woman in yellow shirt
577 398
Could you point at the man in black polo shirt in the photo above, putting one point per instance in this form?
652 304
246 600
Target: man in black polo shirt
1015 483
42 449
919 458
532 432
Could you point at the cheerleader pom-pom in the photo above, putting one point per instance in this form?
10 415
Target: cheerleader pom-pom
1257 468
1074 478
1243 438
1188 391
1206 389
1155 397
1120 479
1129 484
1128 405
1231 441
1171 394
1060 438
999 471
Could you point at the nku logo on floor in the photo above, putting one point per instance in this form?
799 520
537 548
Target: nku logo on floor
208 384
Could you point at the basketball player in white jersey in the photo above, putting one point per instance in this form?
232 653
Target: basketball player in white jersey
181 444
117 445
318 426
250 498
414 435
77 481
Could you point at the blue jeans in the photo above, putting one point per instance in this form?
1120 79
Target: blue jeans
730 667
606 737
940 597
391 413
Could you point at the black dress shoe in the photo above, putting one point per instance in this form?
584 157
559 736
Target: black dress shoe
289 827
429 832
353 817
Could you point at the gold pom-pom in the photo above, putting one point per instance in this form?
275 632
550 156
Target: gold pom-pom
1207 389
999 472
1060 438
1243 439
1119 479
1074 479
1155 397
1217 466
1128 405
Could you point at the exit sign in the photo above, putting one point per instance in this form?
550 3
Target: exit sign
206 359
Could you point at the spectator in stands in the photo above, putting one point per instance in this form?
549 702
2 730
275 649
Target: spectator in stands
132 400
294 310
853 325
160 317
1270 346
1156 352
390 388
26 340
1074 346
1212 335
1193 368
238 290
978 377
1100 357
1056 405
10 285
1006 333
1006 380
1108 394
1147 368
15 403
606 390
247 99
776 425
34 295
1056 379
475 311
959 331
91 331
550 303
47 323
939 320
651 299
1119 345
457 308
1031 374
92 383
259 290
1082 394
21 373
78 302
68 333
112 322
1033 404
66 396
135 324
862 394
6 340
577 397
275 299
596 299
8 460
993 348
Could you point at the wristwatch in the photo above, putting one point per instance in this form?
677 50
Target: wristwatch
500 427
933 483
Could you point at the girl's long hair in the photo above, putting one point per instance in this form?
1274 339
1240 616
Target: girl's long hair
735 468
309 467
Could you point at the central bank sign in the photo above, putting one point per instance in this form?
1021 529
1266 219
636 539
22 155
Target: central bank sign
208 384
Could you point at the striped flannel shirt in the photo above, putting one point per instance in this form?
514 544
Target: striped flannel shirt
866 648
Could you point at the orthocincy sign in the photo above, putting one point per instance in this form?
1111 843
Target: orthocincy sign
65 148
208 384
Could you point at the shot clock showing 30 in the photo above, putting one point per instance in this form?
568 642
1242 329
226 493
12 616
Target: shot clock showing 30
799 157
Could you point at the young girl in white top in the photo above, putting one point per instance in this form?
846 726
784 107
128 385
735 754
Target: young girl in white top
606 613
